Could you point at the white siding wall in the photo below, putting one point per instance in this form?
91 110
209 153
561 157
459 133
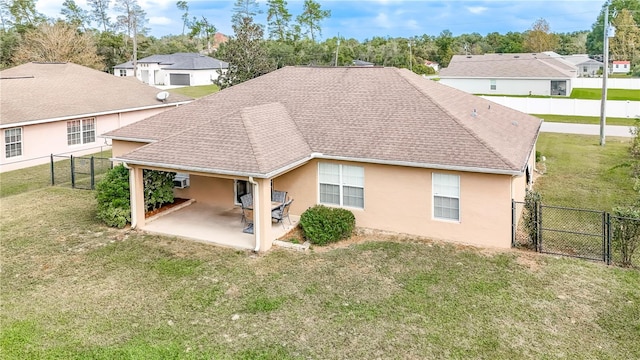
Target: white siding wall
577 107
503 86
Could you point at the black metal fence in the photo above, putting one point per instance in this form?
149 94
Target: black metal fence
79 172
581 233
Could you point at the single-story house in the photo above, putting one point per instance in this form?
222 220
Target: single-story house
434 65
509 74
620 67
403 153
586 67
62 108
179 69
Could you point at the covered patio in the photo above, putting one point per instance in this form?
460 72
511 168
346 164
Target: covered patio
212 224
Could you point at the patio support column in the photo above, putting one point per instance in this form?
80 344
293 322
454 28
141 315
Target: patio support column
136 190
264 212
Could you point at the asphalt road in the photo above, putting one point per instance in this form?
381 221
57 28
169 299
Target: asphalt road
583 129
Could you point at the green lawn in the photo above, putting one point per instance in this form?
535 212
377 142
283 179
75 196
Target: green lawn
196 91
73 289
581 173
585 119
612 94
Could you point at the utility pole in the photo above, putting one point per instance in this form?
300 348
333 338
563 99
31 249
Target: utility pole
410 57
605 74
337 48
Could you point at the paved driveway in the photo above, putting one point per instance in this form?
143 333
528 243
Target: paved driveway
610 130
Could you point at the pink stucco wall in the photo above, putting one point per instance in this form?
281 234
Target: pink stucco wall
39 141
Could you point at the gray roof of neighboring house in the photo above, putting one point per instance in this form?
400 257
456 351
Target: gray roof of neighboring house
41 91
179 61
535 66
575 59
362 63
374 114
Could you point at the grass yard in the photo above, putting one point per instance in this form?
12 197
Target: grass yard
36 177
586 119
612 94
196 91
580 173
73 289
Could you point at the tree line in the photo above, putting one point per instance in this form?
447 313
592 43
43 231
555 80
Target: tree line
92 38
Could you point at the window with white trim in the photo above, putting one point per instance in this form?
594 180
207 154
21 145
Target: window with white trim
341 185
446 196
492 84
123 72
81 131
13 142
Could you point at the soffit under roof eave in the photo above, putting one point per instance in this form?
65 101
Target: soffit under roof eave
295 164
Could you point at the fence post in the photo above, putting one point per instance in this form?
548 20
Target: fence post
53 176
608 237
92 175
538 217
513 223
73 178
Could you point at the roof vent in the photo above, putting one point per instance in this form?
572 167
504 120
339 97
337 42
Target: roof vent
516 56
468 56
474 113
514 123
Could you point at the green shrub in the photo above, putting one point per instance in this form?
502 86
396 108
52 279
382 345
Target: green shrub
626 233
112 195
158 188
538 156
322 225
530 218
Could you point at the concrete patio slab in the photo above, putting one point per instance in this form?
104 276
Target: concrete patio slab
211 224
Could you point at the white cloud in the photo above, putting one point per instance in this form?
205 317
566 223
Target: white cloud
382 20
160 20
412 24
477 9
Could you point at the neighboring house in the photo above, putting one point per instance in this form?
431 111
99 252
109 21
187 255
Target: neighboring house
620 67
362 63
585 66
434 65
509 74
62 108
179 69
403 153
219 39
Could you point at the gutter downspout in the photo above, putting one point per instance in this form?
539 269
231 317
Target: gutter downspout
132 202
256 212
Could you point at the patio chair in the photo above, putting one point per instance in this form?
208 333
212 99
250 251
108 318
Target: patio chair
246 202
278 196
282 212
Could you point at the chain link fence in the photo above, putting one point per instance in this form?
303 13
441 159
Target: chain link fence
78 172
581 233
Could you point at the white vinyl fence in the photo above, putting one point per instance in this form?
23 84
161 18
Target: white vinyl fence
576 107
612 83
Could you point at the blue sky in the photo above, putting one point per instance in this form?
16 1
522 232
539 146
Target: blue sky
395 18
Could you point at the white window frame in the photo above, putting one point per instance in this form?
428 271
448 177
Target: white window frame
79 132
123 72
17 150
342 183
493 85
437 193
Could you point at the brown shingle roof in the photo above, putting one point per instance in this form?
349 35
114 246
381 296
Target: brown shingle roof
382 115
40 91
508 66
